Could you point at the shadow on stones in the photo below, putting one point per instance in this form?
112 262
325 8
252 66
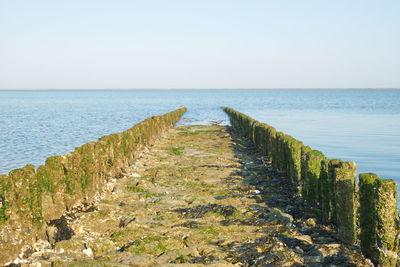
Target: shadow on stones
58 230
249 221
201 210
189 224
273 188
124 222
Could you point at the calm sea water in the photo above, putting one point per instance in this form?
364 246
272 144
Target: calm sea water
363 126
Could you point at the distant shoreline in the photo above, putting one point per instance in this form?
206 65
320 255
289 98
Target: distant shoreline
166 89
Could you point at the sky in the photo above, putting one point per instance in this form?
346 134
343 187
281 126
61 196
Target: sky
83 44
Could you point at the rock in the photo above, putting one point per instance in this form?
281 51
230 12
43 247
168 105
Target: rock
100 246
88 252
26 251
58 230
313 259
41 245
281 216
298 250
313 256
306 238
139 261
51 232
125 222
135 175
311 222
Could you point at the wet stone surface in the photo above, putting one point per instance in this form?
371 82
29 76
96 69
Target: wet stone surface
202 195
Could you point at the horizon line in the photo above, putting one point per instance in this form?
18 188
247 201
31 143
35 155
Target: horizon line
180 88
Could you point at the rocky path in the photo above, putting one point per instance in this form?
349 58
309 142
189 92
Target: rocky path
200 196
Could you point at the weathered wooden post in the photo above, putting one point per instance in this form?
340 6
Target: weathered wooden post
378 219
294 161
311 166
345 202
327 190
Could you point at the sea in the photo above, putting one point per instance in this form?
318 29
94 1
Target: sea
355 125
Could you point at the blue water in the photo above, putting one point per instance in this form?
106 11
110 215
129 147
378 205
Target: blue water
363 126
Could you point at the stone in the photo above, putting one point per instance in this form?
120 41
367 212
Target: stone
282 217
311 222
51 232
88 252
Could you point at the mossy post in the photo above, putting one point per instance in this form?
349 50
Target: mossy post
311 165
324 192
304 151
29 198
327 190
21 180
259 137
279 158
345 200
294 160
378 219
271 136
5 186
329 184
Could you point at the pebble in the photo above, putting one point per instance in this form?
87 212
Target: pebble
88 252
135 175
282 217
311 222
298 250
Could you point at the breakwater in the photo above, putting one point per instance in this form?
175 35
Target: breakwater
365 214
32 199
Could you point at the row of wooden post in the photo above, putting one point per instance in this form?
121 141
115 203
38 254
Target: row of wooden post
365 214
30 197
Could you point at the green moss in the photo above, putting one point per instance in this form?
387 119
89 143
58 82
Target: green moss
154 245
285 234
5 186
135 189
345 176
22 190
103 213
294 162
209 230
176 150
137 250
37 218
69 185
44 180
367 215
3 211
196 132
316 153
379 229
142 192
87 167
115 237
378 215
311 165
84 182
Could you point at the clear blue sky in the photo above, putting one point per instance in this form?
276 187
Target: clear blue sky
199 43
